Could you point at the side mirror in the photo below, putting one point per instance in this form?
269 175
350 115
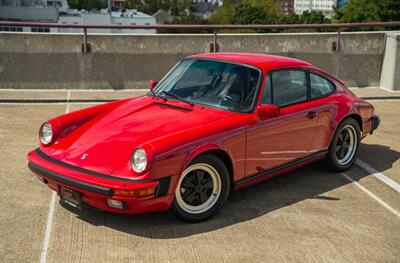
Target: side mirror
267 111
153 84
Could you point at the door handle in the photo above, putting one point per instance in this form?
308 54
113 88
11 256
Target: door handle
312 114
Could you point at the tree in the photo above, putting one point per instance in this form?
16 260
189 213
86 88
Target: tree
179 7
292 18
313 17
87 4
223 14
133 4
189 20
369 11
247 12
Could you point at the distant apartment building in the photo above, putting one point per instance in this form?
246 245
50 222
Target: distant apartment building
325 6
58 12
286 6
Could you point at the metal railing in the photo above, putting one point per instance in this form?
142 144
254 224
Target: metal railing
213 28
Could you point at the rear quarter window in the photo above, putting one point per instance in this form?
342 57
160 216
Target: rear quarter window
320 86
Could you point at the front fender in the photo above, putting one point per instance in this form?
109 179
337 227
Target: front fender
200 150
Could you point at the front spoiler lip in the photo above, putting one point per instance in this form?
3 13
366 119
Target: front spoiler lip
44 156
69 181
161 184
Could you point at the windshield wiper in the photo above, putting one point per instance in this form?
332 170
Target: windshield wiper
173 95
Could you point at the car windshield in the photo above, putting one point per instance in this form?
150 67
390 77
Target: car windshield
211 83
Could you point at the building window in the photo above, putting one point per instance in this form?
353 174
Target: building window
10 29
40 29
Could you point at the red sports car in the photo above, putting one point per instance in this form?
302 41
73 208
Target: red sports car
215 123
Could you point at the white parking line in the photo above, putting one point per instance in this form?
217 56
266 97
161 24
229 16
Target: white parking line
378 175
50 215
49 223
380 201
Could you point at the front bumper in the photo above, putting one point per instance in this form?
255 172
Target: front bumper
95 188
375 121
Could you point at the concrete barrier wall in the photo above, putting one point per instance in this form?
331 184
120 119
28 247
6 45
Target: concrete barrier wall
54 61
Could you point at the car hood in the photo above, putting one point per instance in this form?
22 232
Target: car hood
109 139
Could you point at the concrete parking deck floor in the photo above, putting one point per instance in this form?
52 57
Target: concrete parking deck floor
309 215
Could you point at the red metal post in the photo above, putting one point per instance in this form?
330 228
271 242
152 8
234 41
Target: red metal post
215 48
85 48
338 41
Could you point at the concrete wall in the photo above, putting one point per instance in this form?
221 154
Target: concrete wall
390 78
128 61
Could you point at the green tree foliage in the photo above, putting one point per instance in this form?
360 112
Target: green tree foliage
292 18
313 17
369 11
133 4
247 12
179 7
87 4
176 7
186 20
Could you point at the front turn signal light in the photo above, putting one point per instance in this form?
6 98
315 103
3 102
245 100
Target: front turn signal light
135 193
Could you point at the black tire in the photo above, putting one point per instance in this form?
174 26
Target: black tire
180 206
332 161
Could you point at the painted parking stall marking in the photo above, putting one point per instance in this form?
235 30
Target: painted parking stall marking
50 215
373 196
380 176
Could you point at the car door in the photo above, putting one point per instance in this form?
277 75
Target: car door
280 140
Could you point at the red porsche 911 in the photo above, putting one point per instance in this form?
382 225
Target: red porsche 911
214 124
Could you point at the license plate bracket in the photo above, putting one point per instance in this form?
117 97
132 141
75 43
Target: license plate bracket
70 197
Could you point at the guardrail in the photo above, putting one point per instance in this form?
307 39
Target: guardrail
214 47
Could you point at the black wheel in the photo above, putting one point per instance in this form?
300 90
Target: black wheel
202 190
344 146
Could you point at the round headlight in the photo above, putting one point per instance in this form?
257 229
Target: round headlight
139 160
46 133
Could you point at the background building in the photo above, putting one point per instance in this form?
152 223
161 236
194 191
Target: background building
59 12
325 6
214 2
286 6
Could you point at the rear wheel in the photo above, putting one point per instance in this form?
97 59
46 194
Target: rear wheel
202 190
344 146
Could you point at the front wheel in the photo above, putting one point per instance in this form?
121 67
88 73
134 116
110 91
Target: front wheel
202 190
344 146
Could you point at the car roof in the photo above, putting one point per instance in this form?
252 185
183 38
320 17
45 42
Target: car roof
265 62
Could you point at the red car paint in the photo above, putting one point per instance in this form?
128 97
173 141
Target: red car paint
109 133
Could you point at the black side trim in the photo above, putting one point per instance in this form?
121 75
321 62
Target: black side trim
172 106
163 186
275 169
69 181
82 170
